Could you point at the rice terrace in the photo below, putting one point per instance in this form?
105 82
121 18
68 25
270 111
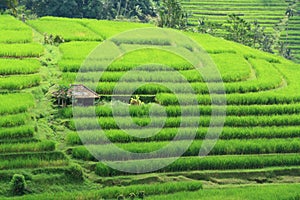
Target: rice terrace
150 99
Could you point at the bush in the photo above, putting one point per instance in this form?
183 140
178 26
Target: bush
121 197
75 173
53 39
141 194
58 39
18 185
132 196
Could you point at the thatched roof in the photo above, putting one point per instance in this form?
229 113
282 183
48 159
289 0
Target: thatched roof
76 91
82 92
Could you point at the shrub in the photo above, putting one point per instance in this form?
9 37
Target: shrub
74 173
18 185
121 197
51 39
58 39
141 194
132 196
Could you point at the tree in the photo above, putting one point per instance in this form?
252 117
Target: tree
238 29
93 9
257 34
267 43
250 34
142 10
290 12
284 51
18 185
99 9
68 8
205 26
12 4
172 15
3 5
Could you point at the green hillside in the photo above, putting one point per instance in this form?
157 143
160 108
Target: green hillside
269 14
256 156
291 35
24 147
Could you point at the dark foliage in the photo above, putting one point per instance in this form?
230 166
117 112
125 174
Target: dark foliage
99 9
18 185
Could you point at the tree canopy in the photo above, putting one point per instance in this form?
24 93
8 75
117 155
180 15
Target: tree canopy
99 9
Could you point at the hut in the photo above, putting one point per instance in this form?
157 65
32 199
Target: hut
82 95
79 94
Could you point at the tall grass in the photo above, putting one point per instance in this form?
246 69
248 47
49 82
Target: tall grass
146 75
232 66
232 99
259 192
206 163
108 29
13 36
77 50
230 121
222 147
14 66
32 160
21 50
167 134
115 191
15 103
19 82
8 22
198 88
13 120
106 110
127 62
69 29
28 147
25 131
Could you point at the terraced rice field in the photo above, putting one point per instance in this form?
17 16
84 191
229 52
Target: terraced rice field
260 137
21 149
292 34
269 14
262 114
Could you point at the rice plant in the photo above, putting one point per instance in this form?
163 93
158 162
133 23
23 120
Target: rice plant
28 147
167 134
13 36
8 22
32 160
20 132
113 192
13 120
207 163
14 66
21 50
11 104
222 147
19 82
108 29
69 29
171 122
